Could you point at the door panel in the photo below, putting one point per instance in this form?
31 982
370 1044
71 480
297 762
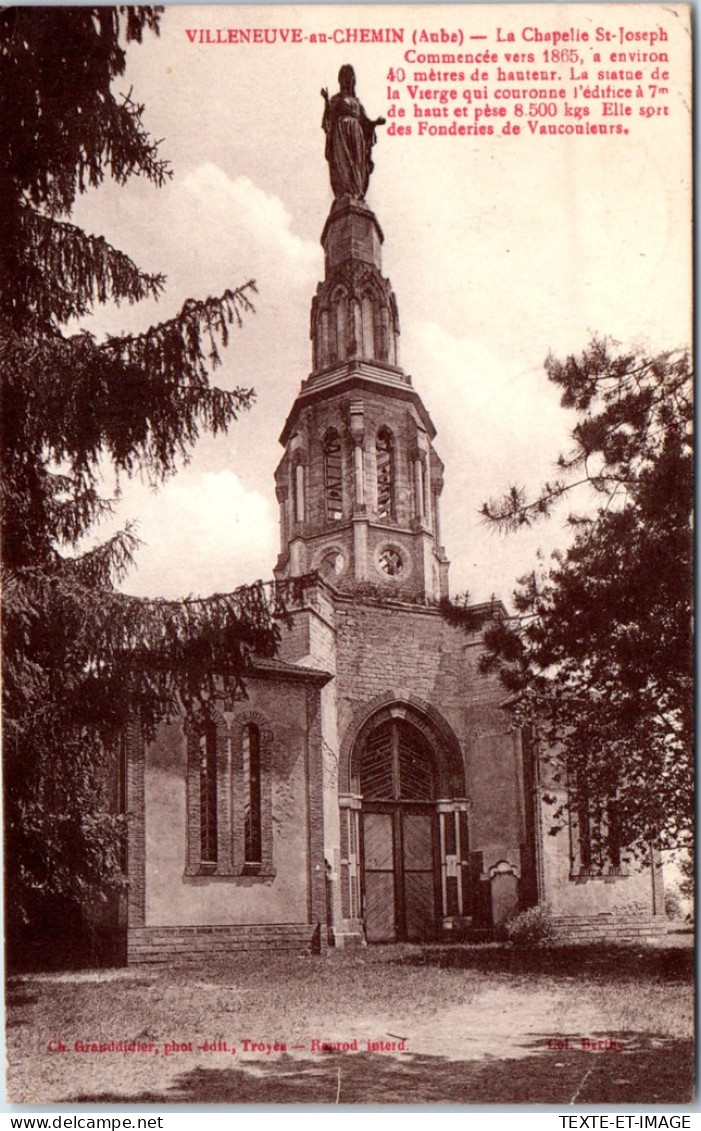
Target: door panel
378 847
399 876
379 907
420 906
418 879
417 842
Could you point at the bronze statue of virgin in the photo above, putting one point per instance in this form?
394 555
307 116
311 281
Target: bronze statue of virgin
350 136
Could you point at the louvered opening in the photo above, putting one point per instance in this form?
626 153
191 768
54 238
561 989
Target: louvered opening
415 768
383 456
333 478
376 781
396 765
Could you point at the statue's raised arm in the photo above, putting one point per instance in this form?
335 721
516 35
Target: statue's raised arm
350 136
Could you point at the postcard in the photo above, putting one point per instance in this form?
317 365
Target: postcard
385 306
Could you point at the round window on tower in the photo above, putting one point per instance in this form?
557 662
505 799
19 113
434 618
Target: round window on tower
331 564
390 561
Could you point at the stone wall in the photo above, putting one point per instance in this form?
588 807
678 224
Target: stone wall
168 944
631 891
169 895
411 652
396 652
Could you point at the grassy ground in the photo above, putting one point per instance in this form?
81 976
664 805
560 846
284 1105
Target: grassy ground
480 1025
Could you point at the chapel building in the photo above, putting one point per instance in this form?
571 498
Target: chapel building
371 787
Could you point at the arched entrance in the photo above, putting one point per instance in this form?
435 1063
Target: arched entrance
410 841
396 779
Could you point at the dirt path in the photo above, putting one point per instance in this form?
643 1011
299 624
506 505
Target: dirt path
418 1035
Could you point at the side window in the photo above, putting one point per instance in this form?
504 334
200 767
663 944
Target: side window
208 789
596 839
252 791
253 829
229 797
208 794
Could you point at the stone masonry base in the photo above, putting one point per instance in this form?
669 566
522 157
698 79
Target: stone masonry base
609 928
185 944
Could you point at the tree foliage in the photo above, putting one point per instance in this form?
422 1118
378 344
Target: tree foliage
599 655
79 657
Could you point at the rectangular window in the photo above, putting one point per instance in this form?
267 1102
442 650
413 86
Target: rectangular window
208 795
252 821
229 797
596 842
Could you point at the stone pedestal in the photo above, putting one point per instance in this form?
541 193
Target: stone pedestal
351 232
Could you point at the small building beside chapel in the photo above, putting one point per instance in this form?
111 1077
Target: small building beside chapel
370 787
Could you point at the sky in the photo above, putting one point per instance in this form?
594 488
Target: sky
499 249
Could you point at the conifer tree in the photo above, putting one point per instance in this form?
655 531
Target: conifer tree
79 657
599 655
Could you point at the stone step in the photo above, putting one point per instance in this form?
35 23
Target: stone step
167 944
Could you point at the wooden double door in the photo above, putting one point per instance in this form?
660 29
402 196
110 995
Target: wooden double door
399 872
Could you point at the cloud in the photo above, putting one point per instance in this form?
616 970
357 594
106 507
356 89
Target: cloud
203 532
213 232
491 414
497 424
245 213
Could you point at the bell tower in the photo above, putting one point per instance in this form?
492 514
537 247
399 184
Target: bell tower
359 482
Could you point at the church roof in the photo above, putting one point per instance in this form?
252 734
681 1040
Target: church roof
270 668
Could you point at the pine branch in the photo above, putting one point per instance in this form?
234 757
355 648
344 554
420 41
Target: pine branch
106 564
632 406
142 399
143 651
176 346
74 509
600 654
80 659
50 152
82 269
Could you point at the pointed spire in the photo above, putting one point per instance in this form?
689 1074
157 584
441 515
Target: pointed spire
360 479
354 312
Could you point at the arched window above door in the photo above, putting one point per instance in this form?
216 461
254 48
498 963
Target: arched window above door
435 736
395 763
